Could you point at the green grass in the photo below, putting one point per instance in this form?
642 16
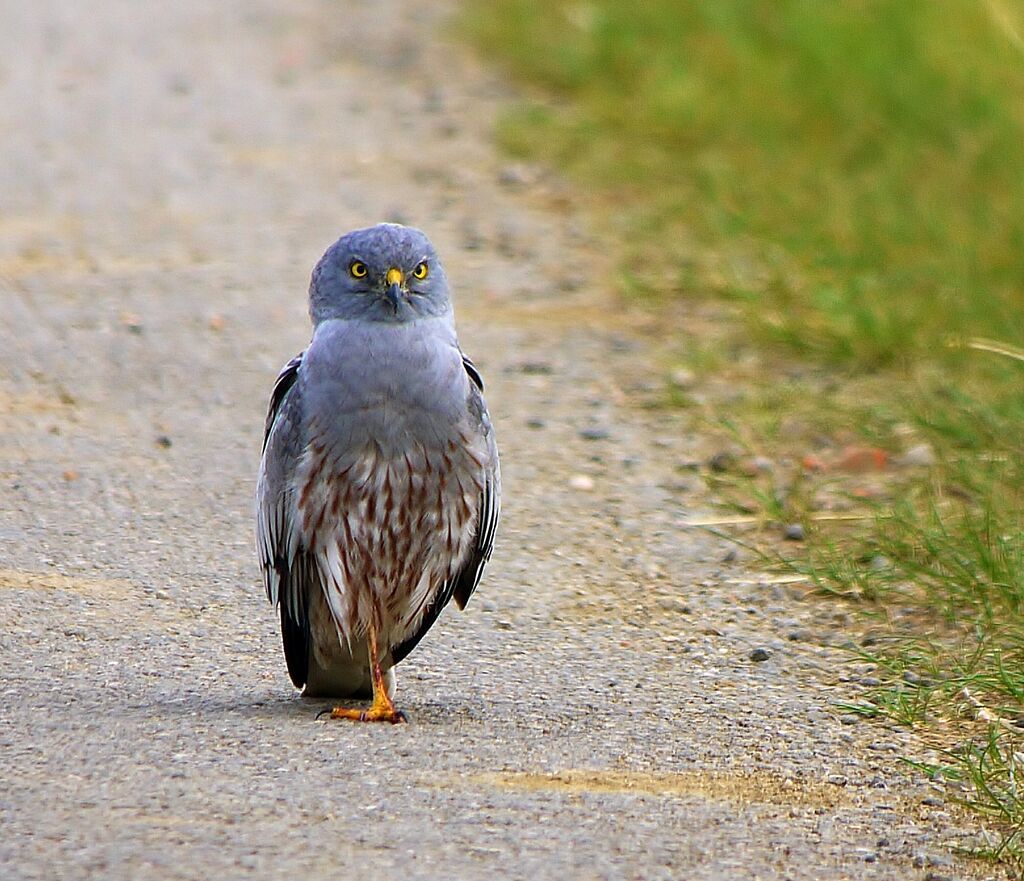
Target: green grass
848 180
854 168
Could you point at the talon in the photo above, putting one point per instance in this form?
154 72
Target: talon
382 709
376 713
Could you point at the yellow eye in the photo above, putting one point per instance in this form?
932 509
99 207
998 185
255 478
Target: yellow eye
421 271
357 269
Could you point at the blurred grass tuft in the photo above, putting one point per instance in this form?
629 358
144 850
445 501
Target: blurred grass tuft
867 156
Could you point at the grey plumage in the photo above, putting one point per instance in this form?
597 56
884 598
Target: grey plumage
379 488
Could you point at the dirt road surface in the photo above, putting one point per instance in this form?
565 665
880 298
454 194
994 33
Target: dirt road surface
170 174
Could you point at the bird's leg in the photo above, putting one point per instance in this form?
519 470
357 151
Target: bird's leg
382 709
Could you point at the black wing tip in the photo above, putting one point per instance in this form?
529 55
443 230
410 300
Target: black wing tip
295 630
467 583
295 637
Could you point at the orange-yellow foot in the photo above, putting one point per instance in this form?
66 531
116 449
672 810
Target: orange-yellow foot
376 713
382 709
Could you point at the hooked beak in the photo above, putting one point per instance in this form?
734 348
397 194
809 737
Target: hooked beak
393 279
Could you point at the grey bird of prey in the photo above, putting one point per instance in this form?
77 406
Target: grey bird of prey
379 490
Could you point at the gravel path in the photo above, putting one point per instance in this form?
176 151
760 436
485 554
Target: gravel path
170 176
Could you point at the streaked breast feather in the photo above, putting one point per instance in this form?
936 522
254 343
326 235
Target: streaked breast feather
388 532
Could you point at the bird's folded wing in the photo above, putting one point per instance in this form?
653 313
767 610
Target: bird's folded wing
274 503
287 571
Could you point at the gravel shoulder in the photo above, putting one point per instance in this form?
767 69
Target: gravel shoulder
171 175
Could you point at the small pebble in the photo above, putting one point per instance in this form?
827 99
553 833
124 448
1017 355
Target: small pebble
472 240
933 801
760 654
569 282
911 678
433 100
516 175
721 462
179 84
682 378
581 482
536 423
794 532
622 344
920 456
162 440
849 719
593 433
131 322
537 368
509 241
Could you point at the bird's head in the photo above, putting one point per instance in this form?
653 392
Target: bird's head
387 273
